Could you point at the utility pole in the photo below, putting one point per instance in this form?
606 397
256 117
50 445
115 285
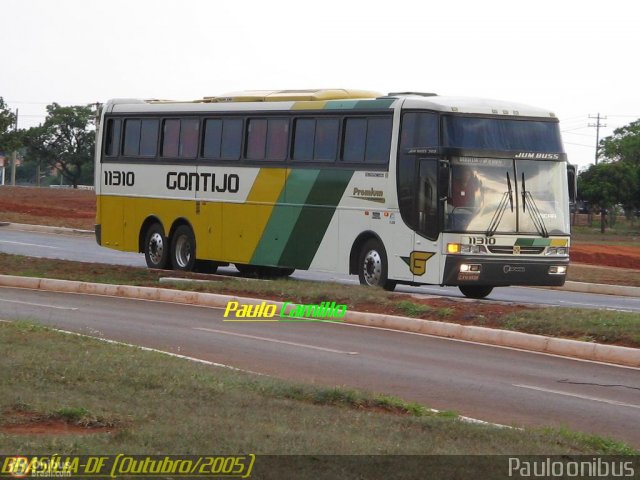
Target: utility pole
597 125
14 156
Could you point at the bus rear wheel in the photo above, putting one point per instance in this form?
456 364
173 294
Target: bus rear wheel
373 267
475 291
156 248
183 249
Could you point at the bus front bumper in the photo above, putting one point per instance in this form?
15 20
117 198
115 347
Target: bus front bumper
473 270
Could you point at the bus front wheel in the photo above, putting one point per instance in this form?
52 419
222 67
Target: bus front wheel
475 291
156 247
373 267
183 249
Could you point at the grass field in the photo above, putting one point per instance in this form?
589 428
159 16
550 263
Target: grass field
122 399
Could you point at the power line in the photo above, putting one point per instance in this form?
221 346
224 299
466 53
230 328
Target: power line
575 133
578 144
598 125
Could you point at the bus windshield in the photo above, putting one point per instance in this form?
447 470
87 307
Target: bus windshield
494 195
475 133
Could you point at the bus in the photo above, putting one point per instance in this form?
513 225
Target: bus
405 188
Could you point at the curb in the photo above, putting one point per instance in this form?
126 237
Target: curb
25 227
504 338
600 288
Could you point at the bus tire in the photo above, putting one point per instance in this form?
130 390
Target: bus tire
156 247
373 267
183 249
475 291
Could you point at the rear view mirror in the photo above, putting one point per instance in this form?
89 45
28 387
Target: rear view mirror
443 179
571 180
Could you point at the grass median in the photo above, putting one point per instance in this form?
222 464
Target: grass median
119 398
605 326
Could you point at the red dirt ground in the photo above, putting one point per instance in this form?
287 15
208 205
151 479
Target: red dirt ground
15 422
609 255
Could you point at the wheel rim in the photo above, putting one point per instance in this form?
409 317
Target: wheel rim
156 248
372 268
183 251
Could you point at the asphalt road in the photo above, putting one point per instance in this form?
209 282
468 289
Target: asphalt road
499 385
85 249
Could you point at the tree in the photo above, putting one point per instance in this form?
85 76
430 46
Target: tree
7 121
66 141
608 184
623 145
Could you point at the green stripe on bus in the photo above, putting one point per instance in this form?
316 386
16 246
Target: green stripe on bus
533 242
315 217
375 104
284 216
378 104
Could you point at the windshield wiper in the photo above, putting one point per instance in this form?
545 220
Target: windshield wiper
507 197
534 212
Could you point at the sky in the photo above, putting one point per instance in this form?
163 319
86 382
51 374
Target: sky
576 59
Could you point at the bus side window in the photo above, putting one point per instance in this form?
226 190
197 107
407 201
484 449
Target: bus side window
189 134
170 138
277 138
231 146
304 139
112 143
316 140
367 140
131 146
378 140
355 138
326 141
256 138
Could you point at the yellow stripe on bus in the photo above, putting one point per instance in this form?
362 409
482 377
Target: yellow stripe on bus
244 223
559 242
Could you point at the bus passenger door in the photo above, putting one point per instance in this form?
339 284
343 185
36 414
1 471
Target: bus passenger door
424 260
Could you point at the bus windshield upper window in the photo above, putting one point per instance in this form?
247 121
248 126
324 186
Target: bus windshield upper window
480 133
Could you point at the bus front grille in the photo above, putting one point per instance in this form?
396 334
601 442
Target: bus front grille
506 250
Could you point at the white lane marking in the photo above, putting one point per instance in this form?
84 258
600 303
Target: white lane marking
149 349
38 304
582 304
575 395
273 340
29 244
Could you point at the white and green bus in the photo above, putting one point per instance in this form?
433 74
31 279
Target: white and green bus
405 188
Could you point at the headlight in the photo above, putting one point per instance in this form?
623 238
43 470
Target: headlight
557 270
557 250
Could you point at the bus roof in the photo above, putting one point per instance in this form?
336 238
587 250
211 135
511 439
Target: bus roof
320 99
